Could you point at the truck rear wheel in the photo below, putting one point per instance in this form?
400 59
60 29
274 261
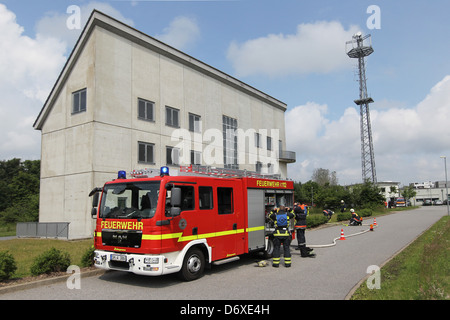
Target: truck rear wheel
193 265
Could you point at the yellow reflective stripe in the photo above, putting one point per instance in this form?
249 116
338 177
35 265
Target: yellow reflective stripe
161 236
188 238
179 235
207 235
255 229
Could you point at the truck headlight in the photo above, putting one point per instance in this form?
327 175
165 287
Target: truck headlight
151 260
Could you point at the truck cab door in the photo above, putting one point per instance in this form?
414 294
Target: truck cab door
229 222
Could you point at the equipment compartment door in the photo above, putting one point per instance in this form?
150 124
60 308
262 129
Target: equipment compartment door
256 219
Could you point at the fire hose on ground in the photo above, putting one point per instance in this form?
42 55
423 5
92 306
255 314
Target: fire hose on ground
342 237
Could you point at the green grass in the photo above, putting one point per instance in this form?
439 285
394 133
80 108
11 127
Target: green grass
7 230
25 251
420 272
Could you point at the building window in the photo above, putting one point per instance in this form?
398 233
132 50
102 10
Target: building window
257 140
258 167
172 117
269 143
172 156
196 157
79 101
145 152
195 122
230 150
280 147
146 110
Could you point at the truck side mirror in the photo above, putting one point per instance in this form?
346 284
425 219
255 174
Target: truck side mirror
175 199
95 200
175 202
96 195
175 211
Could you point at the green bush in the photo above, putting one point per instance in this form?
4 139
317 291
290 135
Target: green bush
88 257
365 212
342 216
315 220
7 265
52 260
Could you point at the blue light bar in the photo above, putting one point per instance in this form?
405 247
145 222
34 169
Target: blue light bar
164 171
121 174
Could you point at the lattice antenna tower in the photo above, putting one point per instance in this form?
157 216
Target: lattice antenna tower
358 50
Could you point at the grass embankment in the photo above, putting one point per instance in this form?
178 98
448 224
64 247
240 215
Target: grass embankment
25 251
420 272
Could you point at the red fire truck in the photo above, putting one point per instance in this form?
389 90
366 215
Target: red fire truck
182 223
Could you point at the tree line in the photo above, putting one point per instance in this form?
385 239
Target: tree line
323 191
19 190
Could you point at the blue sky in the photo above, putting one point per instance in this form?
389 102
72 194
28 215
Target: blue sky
293 50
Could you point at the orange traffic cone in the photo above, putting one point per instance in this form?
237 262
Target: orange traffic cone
371 227
342 235
374 222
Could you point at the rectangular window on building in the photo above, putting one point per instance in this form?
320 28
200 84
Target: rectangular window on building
230 150
257 140
269 143
280 148
146 110
172 116
145 152
196 157
79 101
172 156
258 167
195 122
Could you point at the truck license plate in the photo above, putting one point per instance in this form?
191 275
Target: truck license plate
119 257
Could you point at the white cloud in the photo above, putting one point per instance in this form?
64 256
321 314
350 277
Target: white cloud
46 26
315 48
181 33
28 69
407 142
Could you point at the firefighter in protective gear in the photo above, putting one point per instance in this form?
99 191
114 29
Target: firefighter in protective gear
355 219
301 212
281 236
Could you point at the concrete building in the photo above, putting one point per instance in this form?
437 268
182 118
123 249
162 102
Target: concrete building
126 101
389 189
429 191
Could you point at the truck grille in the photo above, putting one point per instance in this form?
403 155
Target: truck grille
122 238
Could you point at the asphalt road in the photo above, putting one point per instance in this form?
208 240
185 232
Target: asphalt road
331 275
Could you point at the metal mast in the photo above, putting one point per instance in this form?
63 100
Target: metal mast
359 51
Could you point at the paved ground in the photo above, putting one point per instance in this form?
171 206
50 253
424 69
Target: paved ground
331 275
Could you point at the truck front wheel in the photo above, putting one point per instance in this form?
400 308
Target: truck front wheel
193 265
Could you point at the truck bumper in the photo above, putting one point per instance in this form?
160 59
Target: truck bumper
149 265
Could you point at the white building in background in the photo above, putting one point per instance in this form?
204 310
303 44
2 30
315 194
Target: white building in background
390 190
123 101
430 191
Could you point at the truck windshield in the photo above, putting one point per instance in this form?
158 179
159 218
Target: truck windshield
131 200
